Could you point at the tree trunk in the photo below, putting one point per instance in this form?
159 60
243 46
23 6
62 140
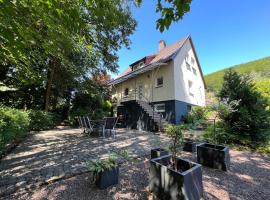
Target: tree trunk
49 84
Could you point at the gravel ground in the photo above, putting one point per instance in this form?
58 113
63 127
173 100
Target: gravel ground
248 178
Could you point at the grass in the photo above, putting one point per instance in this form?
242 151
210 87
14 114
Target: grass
260 70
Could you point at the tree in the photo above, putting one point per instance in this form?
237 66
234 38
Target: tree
175 133
251 117
171 11
79 37
50 45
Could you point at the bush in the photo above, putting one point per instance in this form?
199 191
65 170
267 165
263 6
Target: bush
251 119
196 116
14 125
220 137
40 120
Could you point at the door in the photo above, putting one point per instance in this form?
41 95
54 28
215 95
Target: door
140 92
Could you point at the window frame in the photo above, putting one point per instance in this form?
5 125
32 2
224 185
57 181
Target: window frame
194 71
160 110
190 86
126 92
159 85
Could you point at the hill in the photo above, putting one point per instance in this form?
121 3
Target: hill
259 69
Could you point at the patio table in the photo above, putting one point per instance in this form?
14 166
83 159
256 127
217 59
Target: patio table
99 124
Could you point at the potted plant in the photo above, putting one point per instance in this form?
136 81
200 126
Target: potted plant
106 171
157 152
172 177
214 156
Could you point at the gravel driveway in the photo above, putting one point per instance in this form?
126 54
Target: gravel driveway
248 178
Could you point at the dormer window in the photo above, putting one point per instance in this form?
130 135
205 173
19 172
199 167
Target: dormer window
159 81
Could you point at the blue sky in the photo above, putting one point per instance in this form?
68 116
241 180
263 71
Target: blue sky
224 32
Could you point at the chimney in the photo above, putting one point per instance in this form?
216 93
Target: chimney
161 45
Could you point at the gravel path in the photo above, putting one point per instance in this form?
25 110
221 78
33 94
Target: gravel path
61 153
248 178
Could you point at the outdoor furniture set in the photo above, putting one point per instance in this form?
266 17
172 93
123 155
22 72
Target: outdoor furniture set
104 127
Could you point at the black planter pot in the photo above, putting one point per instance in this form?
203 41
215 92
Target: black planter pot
214 156
107 178
190 146
155 153
168 184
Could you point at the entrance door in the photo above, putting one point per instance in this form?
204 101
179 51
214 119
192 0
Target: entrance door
140 92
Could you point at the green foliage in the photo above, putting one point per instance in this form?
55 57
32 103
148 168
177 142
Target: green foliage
251 118
175 133
101 165
13 126
40 120
263 86
259 69
107 105
196 116
216 134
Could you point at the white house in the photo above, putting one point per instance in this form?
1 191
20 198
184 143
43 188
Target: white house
160 88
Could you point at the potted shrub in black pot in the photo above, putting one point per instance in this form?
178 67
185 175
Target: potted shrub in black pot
214 156
190 145
106 171
157 152
174 178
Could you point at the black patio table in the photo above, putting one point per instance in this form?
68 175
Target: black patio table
98 126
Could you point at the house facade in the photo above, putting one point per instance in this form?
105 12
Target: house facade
160 88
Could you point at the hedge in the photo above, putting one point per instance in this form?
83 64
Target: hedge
15 124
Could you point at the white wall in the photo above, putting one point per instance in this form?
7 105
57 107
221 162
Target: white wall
182 75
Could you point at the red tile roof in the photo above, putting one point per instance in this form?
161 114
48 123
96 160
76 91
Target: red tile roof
161 56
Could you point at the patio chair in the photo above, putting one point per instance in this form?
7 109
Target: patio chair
89 125
110 125
79 121
82 123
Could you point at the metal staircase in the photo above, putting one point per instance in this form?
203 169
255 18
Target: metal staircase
146 106
155 116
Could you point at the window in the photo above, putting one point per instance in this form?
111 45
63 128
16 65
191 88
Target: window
187 58
188 66
159 82
192 61
190 86
188 108
160 107
126 92
194 71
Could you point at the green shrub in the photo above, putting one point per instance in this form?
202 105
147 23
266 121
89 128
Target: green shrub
14 125
218 137
40 120
251 118
196 116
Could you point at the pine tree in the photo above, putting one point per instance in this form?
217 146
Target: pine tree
251 118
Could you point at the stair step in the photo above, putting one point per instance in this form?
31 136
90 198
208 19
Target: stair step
161 123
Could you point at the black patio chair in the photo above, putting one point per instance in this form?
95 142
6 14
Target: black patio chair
110 124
